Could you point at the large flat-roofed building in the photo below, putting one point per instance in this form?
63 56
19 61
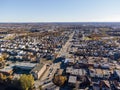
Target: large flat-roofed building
25 66
38 71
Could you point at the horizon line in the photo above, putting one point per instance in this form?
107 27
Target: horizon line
67 22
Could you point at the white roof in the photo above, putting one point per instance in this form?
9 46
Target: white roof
72 79
25 65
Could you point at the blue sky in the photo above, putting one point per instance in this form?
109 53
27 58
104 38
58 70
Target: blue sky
59 10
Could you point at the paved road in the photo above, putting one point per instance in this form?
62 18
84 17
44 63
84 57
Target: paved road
64 50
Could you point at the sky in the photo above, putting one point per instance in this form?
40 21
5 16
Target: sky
59 10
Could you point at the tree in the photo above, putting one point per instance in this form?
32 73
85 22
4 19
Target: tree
9 79
59 80
40 87
2 78
2 62
5 56
26 82
1 58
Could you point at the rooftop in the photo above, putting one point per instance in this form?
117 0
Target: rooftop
72 79
37 68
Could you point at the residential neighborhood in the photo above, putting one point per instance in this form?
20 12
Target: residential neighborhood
67 57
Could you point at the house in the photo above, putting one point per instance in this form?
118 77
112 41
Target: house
96 73
99 73
70 61
106 74
92 73
105 66
8 70
102 85
117 74
76 72
72 81
116 85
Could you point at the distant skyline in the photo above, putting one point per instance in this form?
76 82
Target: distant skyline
59 10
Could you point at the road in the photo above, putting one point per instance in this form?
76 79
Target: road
64 50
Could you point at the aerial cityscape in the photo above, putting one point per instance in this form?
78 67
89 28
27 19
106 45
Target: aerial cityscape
60 45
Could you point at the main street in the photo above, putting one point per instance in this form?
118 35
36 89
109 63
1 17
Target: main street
64 49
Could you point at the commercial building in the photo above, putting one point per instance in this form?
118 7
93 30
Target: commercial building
38 71
25 66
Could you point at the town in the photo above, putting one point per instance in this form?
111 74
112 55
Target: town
60 56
